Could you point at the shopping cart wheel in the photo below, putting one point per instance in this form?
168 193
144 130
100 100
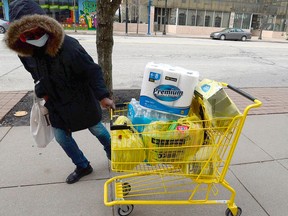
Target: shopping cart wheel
126 210
229 213
126 188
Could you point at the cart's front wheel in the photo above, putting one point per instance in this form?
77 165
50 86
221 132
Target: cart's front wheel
125 210
229 213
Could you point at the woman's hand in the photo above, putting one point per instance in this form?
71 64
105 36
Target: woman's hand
106 103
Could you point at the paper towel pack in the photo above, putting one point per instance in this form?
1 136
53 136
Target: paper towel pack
167 88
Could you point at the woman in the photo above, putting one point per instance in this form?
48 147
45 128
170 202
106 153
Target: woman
65 76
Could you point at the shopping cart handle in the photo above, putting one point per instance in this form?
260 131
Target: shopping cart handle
120 105
120 127
241 92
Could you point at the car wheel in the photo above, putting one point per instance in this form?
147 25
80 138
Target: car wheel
243 38
222 37
2 30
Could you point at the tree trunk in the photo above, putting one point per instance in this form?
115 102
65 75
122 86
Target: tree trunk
106 10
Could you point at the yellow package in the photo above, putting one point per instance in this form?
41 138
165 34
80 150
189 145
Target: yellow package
201 163
215 100
172 141
127 147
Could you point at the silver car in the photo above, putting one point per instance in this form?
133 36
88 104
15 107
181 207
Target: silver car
231 34
3 26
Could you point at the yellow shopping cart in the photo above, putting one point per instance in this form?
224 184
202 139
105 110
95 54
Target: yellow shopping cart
160 165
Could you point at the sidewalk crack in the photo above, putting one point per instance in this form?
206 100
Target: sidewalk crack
10 71
5 134
249 192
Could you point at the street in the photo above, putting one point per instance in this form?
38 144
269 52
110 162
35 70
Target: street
244 64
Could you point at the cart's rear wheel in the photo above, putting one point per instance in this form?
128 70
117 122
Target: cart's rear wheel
126 188
126 210
229 213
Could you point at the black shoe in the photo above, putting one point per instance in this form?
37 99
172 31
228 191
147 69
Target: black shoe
78 174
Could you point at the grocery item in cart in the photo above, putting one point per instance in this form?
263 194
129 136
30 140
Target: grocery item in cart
172 141
167 88
198 178
127 146
215 100
140 116
202 163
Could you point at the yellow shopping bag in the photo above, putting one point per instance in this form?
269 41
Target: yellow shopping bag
127 146
172 141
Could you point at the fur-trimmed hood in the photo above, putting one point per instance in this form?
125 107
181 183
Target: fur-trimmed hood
24 22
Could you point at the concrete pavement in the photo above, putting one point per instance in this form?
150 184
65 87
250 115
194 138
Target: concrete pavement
33 180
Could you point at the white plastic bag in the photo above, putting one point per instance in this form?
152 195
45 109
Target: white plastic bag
40 127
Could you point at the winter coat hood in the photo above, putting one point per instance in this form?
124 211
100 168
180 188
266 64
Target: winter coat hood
26 15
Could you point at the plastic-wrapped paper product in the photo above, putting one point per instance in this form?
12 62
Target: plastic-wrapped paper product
167 88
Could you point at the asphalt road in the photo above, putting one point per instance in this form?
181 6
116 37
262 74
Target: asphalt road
244 64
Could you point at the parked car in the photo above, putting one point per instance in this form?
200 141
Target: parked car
3 26
231 34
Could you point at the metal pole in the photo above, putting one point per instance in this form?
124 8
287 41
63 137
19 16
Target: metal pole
138 12
286 23
165 18
126 25
149 11
119 14
74 6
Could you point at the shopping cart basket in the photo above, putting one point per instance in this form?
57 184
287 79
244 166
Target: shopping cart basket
171 167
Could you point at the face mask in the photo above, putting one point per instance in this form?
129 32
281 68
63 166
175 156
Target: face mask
39 42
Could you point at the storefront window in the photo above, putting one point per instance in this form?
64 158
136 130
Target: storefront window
182 17
1 10
238 20
61 10
65 14
246 21
280 23
54 9
225 20
172 18
218 19
209 18
269 26
200 18
191 18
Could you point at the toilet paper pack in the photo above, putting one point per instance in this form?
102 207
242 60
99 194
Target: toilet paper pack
167 88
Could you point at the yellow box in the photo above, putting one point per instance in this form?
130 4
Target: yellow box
216 101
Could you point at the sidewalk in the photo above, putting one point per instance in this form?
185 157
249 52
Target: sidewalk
33 180
8 100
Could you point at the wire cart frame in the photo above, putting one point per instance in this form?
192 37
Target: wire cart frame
171 167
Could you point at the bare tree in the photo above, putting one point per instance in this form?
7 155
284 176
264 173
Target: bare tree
106 10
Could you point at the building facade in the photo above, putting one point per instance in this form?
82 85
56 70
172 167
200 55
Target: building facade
204 16
173 16
67 12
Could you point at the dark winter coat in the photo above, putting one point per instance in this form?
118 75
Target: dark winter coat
69 77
